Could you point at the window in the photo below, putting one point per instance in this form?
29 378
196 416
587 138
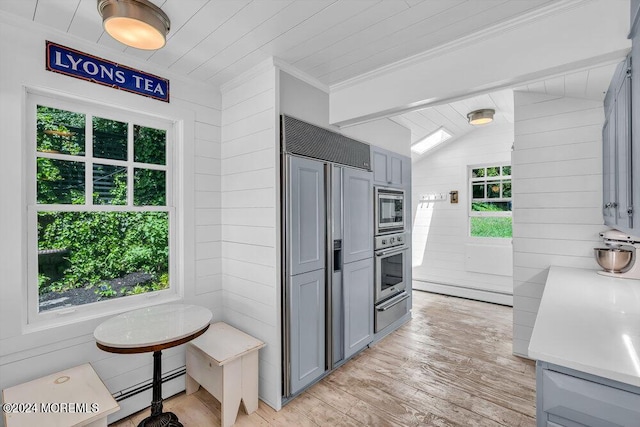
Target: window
100 208
490 206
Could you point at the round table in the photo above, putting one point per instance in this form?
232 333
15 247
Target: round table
153 329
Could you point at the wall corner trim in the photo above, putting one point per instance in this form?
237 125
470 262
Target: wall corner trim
301 75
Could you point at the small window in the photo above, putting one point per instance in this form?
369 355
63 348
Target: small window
101 210
490 206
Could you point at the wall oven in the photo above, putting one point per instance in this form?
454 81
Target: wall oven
391 298
389 210
390 265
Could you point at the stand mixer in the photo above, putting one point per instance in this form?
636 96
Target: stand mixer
614 241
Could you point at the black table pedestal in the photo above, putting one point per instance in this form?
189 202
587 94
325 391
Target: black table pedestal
157 417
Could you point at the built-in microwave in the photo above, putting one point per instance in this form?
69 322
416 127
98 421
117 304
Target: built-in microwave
389 210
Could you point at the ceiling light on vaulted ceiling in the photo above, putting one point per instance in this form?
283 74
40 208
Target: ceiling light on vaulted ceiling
136 23
481 117
430 141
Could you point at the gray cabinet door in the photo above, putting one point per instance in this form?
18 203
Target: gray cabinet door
609 170
581 402
623 150
358 306
379 163
306 200
307 339
358 215
396 166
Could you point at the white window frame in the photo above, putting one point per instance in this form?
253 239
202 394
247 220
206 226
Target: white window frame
472 213
43 320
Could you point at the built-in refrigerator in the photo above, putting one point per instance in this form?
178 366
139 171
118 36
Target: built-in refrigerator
328 270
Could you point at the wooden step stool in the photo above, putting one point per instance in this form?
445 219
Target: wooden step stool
75 397
224 361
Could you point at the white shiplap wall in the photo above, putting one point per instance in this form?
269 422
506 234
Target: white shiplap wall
440 237
196 107
557 169
250 218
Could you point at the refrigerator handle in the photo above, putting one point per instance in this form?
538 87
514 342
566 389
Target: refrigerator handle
328 209
337 255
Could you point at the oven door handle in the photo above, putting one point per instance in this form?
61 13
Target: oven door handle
391 251
393 301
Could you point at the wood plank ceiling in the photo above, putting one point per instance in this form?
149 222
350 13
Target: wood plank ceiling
330 40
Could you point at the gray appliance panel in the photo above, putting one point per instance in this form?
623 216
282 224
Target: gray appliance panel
307 334
308 140
358 305
358 215
307 219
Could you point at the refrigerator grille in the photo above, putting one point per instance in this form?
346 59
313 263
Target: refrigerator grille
308 140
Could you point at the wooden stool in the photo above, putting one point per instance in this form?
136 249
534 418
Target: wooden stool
75 397
224 361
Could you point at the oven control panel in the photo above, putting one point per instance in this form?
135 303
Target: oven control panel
390 240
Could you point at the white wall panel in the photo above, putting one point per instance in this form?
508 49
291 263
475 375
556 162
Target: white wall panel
557 196
443 253
250 252
25 356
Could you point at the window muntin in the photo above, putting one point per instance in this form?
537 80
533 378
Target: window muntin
102 191
490 206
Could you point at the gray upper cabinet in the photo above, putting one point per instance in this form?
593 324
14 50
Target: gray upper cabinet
608 170
307 215
623 148
307 308
389 167
358 215
618 177
358 306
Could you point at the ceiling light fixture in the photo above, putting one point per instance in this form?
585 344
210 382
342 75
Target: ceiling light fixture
430 141
136 23
481 117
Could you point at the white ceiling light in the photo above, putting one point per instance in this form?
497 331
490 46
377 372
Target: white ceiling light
430 141
136 23
481 117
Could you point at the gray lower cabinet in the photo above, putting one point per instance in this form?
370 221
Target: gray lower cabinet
358 305
569 398
307 308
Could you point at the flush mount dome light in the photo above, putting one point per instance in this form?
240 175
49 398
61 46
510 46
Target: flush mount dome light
136 23
481 117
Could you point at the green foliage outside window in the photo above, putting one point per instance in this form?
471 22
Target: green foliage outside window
491 202
99 246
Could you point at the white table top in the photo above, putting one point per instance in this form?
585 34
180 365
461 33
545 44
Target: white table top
152 326
590 323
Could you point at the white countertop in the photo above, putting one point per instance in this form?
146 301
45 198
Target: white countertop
151 326
590 323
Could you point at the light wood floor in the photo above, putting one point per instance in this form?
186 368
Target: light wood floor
451 365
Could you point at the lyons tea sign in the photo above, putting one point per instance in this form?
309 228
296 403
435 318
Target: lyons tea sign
64 60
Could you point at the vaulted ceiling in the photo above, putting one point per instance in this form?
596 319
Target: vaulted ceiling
590 83
330 40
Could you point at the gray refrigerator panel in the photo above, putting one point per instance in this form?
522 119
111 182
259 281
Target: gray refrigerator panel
307 309
306 219
358 215
358 305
